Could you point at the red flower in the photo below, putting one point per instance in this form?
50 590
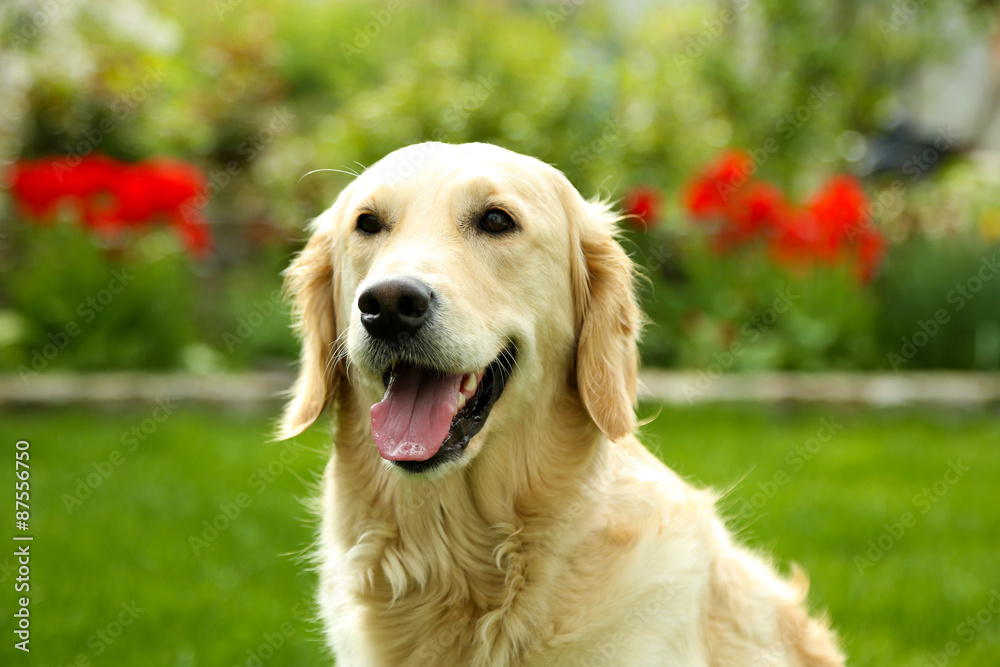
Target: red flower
834 228
711 192
171 183
870 250
28 185
112 195
842 207
838 207
799 240
40 185
743 208
757 209
643 204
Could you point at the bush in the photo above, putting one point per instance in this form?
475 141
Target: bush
742 312
76 305
939 306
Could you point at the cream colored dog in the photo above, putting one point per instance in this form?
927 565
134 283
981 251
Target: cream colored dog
472 321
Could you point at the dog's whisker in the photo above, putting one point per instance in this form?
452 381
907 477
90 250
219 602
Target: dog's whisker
347 172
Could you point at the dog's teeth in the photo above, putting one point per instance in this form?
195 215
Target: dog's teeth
470 384
461 400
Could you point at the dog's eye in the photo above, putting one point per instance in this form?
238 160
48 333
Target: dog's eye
496 221
369 224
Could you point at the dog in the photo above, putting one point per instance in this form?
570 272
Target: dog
472 322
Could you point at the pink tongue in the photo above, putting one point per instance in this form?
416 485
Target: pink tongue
412 420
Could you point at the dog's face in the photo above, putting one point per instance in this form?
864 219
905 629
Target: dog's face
459 286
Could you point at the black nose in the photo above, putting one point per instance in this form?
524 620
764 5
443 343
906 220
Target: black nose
395 309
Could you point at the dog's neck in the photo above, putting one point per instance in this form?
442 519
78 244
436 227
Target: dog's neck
504 499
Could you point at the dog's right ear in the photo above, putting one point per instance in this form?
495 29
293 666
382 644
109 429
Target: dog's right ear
311 281
607 314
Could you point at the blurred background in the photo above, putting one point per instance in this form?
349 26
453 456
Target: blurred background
807 186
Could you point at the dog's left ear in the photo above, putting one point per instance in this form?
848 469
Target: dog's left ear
608 317
311 281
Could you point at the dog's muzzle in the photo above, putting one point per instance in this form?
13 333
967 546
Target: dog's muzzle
428 416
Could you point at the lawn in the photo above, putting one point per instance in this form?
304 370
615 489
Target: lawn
894 515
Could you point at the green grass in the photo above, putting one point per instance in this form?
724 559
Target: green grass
130 540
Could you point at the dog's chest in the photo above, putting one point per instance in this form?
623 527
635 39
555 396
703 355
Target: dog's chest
418 629
400 609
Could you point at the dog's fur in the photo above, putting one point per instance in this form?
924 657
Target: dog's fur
557 538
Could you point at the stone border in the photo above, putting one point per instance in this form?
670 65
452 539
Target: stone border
876 389
54 389
677 387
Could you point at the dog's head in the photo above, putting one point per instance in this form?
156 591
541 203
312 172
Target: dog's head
456 288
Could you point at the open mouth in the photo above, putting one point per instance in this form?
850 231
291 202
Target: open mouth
427 417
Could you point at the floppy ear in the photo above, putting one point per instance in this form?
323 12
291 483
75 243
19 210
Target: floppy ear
311 281
608 317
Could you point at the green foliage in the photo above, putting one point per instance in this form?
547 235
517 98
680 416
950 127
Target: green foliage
614 97
76 305
254 327
739 310
940 306
141 303
611 98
